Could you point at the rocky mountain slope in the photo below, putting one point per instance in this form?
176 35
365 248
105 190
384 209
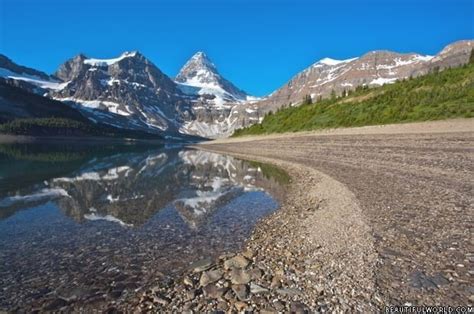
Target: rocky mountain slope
23 112
199 77
27 78
215 100
131 92
128 91
375 68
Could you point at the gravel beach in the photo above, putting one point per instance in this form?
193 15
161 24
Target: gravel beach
374 216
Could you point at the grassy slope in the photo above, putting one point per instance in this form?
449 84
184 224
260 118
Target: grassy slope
447 94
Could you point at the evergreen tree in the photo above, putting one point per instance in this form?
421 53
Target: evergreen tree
307 100
471 58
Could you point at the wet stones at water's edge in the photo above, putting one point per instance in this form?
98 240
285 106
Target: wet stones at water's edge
233 282
97 236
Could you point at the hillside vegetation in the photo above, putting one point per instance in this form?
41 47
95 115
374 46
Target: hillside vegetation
435 96
68 127
25 113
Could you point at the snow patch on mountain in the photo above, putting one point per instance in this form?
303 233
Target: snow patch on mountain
107 62
98 104
424 58
332 62
382 81
32 79
220 96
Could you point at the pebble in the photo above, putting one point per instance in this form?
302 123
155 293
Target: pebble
298 307
210 276
201 265
254 288
236 262
239 306
238 276
241 291
289 292
279 305
214 292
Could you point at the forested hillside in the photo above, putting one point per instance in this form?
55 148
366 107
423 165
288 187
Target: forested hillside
435 96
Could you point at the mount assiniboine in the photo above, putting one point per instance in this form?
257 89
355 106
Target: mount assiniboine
131 92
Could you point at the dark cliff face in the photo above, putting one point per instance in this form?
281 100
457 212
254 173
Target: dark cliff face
128 91
71 68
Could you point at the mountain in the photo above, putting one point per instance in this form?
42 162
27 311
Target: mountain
18 103
374 68
437 95
130 92
199 77
215 100
27 78
25 113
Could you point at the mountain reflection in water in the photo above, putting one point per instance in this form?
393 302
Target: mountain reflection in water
74 219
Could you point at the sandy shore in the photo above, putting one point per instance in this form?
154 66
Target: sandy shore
374 216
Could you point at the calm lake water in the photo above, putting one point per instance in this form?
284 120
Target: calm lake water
94 224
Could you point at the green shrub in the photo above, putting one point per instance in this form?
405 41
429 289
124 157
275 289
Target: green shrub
437 95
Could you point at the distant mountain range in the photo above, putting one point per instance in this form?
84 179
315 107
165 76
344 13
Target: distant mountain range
130 92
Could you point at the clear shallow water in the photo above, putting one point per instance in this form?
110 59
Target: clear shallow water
93 223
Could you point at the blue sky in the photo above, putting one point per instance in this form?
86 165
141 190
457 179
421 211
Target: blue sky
258 45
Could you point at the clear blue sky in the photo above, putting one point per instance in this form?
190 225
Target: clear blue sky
258 45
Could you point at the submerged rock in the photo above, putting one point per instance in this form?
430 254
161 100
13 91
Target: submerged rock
201 265
236 262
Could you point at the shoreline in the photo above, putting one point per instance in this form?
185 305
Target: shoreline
25 139
298 267
373 217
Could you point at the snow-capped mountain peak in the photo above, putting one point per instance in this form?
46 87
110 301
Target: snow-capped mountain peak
200 58
200 78
217 104
199 70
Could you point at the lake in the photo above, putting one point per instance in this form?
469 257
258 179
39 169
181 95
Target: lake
90 225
